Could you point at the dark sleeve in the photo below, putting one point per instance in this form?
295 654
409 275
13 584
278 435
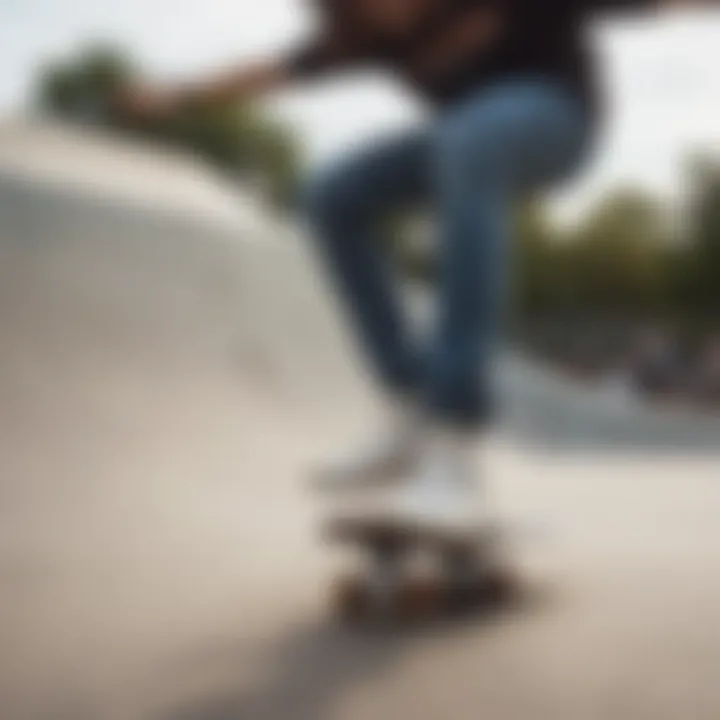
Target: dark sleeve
311 59
328 53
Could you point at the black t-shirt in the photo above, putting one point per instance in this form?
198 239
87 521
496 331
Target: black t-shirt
457 46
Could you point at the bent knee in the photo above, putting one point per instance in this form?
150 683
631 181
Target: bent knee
334 195
482 149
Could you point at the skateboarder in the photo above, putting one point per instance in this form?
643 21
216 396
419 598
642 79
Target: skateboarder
512 83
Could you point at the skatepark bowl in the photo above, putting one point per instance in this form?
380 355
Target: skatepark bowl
171 366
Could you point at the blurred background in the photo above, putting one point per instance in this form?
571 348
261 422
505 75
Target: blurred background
618 274
171 366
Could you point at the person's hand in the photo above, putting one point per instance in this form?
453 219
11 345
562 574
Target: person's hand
143 102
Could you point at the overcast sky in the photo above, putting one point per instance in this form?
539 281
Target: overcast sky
662 74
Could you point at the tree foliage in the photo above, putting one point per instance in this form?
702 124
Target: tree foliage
630 257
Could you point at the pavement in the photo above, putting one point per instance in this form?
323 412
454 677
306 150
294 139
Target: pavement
171 367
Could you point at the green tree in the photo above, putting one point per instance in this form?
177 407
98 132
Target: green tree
700 286
616 259
540 286
82 87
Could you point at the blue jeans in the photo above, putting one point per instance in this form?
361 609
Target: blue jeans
477 159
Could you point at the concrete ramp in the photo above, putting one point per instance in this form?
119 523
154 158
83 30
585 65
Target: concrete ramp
170 367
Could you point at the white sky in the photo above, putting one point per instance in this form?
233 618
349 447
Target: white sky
662 74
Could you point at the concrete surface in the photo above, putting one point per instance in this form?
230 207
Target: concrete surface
168 373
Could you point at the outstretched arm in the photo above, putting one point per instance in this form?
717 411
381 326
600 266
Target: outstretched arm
235 85
330 51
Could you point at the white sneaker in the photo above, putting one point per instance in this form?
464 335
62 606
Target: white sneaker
390 455
444 495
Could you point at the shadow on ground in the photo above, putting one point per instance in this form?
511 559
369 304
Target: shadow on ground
317 663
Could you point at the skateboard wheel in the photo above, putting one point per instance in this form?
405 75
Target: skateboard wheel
499 587
420 599
354 601
350 599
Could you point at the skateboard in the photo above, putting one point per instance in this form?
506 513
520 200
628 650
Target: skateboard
408 574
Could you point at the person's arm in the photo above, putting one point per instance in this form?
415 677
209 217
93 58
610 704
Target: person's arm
235 85
327 53
331 51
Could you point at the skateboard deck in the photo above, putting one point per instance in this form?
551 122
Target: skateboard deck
415 573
